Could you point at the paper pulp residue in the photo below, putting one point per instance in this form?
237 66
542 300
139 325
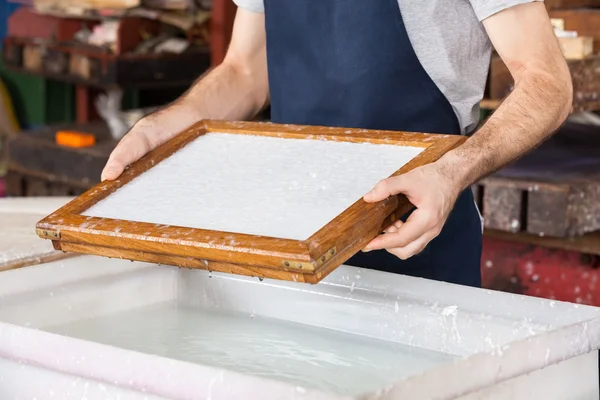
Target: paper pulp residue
19 240
299 354
286 188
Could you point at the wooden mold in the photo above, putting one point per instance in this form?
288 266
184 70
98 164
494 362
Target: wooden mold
308 260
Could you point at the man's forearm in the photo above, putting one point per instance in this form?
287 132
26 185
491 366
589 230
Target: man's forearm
538 105
225 92
236 89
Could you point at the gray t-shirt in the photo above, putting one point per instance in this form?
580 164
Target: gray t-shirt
451 44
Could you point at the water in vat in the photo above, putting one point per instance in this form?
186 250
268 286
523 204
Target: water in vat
303 355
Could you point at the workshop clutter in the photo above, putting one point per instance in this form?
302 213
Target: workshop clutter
116 61
109 46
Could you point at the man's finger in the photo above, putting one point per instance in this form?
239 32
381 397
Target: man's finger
391 229
386 188
394 227
131 148
414 227
412 249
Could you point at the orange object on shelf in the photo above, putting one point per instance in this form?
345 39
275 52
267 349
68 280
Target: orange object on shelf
75 139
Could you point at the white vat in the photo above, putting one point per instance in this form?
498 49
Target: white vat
19 244
93 328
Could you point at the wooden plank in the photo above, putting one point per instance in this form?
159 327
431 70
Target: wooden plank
585 75
586 244
186 262
36 260
502 205
314 257
539 206
568 4
586 22
547 212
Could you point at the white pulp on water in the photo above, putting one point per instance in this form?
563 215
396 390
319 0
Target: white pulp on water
269 186
300 354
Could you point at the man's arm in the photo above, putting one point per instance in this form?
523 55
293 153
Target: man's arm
537 106
237 89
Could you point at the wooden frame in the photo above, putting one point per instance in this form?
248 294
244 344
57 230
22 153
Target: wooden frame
303 261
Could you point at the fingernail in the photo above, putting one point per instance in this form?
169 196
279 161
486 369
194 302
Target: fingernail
106 175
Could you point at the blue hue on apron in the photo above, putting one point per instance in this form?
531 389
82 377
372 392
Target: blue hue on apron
350 63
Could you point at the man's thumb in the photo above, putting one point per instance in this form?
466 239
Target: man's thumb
111 171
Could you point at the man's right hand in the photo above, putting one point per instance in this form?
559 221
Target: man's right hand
235 90
137 142
147 134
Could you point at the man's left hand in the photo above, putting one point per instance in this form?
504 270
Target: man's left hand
433 192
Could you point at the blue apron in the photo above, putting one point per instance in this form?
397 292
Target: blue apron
350 63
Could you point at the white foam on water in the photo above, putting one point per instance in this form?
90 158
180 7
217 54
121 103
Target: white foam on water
268 186
299 354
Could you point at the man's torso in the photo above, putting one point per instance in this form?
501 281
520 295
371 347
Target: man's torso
451 45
